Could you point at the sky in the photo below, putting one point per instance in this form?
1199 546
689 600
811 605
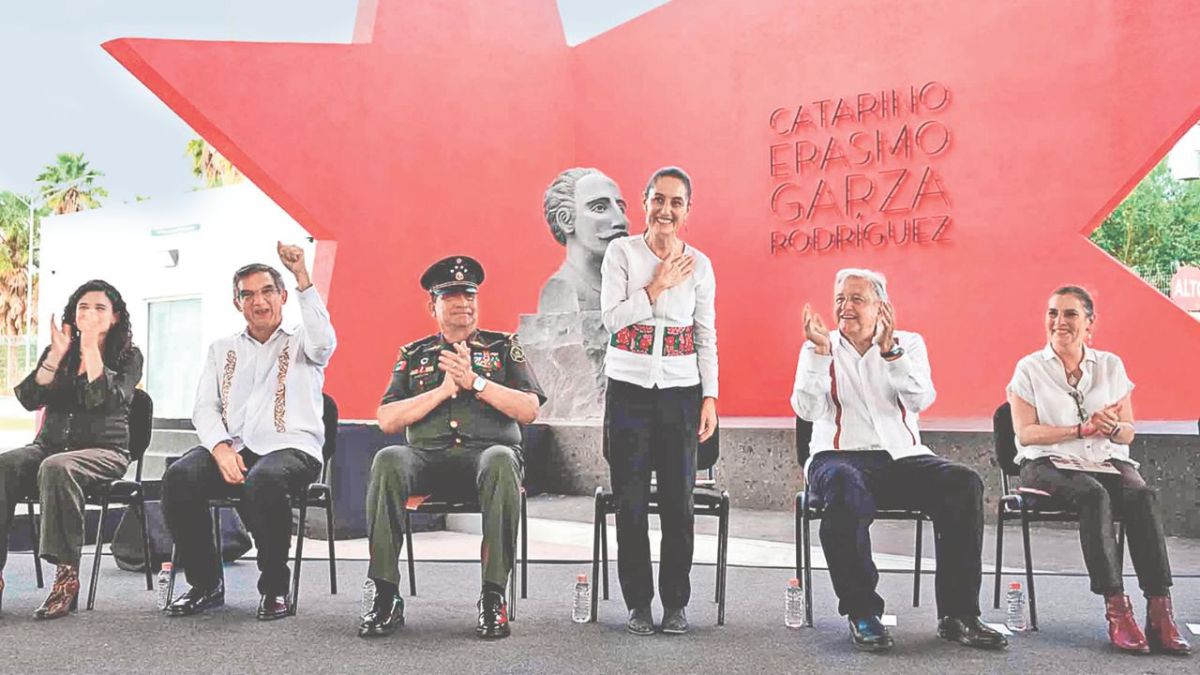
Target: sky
63 93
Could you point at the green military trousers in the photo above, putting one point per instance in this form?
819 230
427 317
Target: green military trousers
400 471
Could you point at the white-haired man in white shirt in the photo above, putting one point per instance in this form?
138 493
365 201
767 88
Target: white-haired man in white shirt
863 386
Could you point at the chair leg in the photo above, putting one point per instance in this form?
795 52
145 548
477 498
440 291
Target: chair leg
146 557
797 539
408 543
717 580
299 554
33 538
512 583
917 562
723 559
216 520
1033 626
91 603
808 600
512 593
174 570
604 547
329 535
999 553
524 547
597 514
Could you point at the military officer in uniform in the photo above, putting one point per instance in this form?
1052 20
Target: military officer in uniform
460 395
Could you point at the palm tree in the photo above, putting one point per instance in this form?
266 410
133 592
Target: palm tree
14 280
68 185
211 165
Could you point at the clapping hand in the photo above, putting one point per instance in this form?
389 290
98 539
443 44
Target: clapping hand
885 327
60 341
815 330
457 365
1106 420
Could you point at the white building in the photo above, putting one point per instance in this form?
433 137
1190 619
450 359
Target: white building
173 261
1184 159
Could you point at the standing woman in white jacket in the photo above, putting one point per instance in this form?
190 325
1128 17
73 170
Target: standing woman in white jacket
657 300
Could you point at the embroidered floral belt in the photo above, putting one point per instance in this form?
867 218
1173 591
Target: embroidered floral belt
639 339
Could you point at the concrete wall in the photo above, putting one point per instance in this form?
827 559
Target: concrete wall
759 469
758 466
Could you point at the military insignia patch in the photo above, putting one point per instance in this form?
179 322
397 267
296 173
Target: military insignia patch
401 361
486 360
515 352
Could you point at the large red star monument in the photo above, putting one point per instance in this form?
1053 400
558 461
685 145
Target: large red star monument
965 149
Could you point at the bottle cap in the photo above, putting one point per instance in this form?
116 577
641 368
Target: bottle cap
794 583
582 578
1016 586
166 567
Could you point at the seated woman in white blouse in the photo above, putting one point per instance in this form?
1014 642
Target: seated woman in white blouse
1072 404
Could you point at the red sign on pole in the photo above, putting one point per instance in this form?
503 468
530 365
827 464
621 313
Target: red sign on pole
1185 288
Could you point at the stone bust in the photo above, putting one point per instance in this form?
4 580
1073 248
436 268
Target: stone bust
585 211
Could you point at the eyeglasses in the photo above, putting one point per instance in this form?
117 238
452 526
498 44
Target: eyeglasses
1077 396
267 292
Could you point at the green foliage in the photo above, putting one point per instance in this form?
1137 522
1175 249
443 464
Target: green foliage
14 257
68 185
210 165
1156 228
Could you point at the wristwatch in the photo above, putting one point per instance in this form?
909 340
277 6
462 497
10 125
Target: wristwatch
895 352
479 383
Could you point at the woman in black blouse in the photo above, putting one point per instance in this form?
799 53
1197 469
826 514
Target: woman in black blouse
84 380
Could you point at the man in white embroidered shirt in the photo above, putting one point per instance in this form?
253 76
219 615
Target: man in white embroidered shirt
258 414
863 387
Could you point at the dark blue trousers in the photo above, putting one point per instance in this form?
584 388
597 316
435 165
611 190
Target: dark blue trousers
853 484
653 430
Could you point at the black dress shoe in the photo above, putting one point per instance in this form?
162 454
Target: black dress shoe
196 600
384 618
271 607
493 616
674 621
970 631
641 621
868 634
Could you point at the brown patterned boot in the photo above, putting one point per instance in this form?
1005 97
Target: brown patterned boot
1 590
64 594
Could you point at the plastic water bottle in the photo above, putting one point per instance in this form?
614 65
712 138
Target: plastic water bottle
368 596
581 606
1015 616
793 608
164 584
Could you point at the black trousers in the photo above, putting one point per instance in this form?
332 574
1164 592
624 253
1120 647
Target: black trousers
1095 496
852 485
265 509
653 430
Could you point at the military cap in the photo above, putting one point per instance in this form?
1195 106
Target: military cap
456 273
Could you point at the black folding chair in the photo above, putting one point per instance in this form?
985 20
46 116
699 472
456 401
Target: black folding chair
119 492
1027 506
318 495
434 504
708 500
809 509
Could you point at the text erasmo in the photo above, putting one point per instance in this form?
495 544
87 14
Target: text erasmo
859 171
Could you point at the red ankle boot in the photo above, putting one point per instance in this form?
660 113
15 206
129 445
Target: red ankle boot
1122 627
1161 631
